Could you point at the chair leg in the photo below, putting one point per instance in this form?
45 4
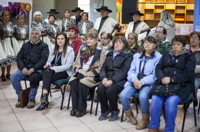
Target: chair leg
199 107
92 101
163 110
136 105
185 110
25 84
63 96
69 99
122 116
96 108
195 120
50 92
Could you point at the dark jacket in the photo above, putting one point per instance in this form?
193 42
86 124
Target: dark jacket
180 69
136 49
116 69
33 58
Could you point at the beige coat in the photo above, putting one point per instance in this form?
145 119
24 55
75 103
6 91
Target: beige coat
94 69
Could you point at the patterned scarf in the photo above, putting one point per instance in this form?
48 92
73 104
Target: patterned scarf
88 53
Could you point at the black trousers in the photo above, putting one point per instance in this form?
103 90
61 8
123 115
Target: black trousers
110 95
49 76
79 94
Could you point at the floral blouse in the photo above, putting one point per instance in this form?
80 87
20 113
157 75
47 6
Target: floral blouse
21 33
6 31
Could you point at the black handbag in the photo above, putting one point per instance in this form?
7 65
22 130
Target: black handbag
140 74
165 90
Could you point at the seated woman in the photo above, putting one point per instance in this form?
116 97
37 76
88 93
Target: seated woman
74 41
87 69
58 66
113 75
132 42
178 69
106 41
141 78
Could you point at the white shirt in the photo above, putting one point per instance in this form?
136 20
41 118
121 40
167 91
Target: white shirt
23 32
84 30
87 64
66 24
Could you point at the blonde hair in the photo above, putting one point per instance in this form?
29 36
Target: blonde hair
166 18
36 13
18 16
93 33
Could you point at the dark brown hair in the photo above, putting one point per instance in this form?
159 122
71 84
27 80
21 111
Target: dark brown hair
195 32
65 45
67 10
85 14
124 41
52 16
135 35
108 35
179 39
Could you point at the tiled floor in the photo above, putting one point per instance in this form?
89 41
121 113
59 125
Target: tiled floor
55 120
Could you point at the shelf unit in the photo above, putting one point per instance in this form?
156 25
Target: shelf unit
180 12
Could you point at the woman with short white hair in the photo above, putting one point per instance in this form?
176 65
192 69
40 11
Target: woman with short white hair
47 30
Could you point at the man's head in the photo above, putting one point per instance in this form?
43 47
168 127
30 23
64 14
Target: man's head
35 34
78 13
136 17
104 13
53 12
160 33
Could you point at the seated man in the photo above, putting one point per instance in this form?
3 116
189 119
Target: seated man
30 59
162 42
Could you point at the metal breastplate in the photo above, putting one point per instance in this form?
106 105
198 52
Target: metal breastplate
9 31
23 33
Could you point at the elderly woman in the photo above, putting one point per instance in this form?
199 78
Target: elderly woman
113 75
84 25
9 43
21 31
87 69
141 78
47 31
194 47
68 21
178 69
58 66
106 41
74 41
132 42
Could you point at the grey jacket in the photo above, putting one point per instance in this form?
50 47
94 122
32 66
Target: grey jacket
67 61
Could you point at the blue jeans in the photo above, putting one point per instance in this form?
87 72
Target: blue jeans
144 94
15 80
171 104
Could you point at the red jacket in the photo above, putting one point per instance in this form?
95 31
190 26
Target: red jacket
76 45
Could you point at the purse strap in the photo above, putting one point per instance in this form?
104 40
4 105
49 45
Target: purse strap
143 66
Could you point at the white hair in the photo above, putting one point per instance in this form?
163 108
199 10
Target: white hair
36 29
36 13
166 18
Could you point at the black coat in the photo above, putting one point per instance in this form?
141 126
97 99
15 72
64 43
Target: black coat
33 58
180 69
116 69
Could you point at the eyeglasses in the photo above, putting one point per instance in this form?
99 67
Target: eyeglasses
158 32
193 37
104 38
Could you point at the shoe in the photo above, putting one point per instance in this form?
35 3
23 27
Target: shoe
96 99
31 103
80 113
44 103
103 115
73 112
18 105
131 117
89 97
55 87
3 78
90 94
8 76
153 130
145 121
114 115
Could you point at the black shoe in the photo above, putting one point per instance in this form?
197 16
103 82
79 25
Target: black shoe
43 106
3 78
80 113
73 112
89 97
55 87
103 115
114 115
96 99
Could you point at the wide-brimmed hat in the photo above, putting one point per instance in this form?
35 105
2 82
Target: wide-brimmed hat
53 11
136 12
104 8
76 9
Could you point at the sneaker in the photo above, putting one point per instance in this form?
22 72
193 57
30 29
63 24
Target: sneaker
114 115
31 103
18 105
103 115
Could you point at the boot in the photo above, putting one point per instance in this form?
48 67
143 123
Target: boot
153 130
131 117
145 121
18 105
31 103
44 103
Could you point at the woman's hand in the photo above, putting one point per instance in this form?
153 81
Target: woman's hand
165 80
46 66
140 84
84 73
52 68
53 41
136 82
